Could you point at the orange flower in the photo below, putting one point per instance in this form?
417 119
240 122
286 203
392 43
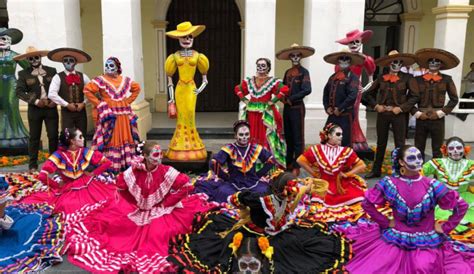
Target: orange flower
265 247
467 150
236 242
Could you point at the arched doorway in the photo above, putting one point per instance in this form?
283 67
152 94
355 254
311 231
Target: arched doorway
221 43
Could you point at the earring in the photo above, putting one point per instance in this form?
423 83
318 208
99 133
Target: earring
403 171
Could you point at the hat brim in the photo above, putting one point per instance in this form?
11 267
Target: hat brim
407 58
15 34
23 56
57 55
284 54
448 59
194 31
364 36
333 58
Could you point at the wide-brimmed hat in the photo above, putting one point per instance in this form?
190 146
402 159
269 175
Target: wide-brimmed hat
29 52
15 34
332 58
185 29
58 54
364 36
407 58
284 54
448 59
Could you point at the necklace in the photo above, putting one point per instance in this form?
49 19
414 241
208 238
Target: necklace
75 157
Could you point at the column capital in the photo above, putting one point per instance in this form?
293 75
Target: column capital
411 16
452 11
159 24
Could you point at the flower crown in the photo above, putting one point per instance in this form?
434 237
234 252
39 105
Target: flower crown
263 244
444 150
324 134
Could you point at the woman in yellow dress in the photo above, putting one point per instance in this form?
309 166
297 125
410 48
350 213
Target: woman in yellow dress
186 145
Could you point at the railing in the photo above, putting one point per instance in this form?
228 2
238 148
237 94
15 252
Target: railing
464 110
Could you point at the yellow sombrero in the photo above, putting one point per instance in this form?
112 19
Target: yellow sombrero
407 58
284 54
185 29
30 52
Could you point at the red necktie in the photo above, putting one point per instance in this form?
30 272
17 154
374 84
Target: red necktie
73 79
432 77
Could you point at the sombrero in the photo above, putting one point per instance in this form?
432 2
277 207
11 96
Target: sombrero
29 52
354 35
356 58
185 29
407 58
284 54
58 54
448 59
15 34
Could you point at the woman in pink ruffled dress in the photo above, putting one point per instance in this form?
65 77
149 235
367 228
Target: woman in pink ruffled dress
132 233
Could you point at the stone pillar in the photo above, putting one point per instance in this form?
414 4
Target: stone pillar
340 17
410 31
161 96
122 38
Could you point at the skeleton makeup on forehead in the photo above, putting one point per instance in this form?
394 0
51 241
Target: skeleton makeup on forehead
295 58
335 136
186 42
155 156
455 150
413 159
34 61
355 45
434 64
396 65
249 265
78 140
243 135
263 66
69 63
111 67
344 61
5 42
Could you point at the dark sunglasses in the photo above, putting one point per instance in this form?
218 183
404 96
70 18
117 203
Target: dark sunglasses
33 58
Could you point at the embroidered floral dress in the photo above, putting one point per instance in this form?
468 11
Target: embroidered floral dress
116 131
291 248
456 175
132 232
266 124
241 173
329 161
412 245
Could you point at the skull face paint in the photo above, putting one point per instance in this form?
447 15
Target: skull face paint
335 138
455 150
242 136
434 64
344 62
295 58
413 159
396 65
355 45
186 42
155 156
262 67
249 264
5 42
34 61
69 63
111 67
78 140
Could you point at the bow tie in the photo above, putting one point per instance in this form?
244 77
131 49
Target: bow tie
392 78
339 76
432 77
73 79
38 71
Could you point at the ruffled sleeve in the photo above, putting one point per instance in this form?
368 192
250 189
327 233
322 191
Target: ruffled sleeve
268 161
170 65
120 182
452 201
49 167
217 162
203 64
309 155
244 198
428 169
181 188
241 90
135 91
281 91
375 196
352 159
369 65
102 163
90 90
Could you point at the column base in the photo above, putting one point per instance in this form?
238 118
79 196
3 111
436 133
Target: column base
142 110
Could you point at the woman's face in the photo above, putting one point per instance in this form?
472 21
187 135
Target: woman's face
335 138
78 140
155 156
412 160
243 135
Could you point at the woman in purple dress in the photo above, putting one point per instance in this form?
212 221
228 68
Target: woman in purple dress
411 242
241 159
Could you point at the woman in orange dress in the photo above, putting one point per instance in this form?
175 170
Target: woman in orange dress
116 133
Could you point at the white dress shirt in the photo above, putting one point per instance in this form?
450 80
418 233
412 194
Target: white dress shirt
56 85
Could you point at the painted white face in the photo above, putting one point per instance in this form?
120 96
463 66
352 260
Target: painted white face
186 42
262 67
295 58
155 156
249 264
78 140
34 61
355 45
111 67
243 135
434 64
396 65
335 138
344 62
5 42
413 159
455 150
69 63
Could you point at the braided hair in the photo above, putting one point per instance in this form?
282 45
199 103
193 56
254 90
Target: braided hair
66 136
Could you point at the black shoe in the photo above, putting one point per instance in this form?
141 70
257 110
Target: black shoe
372 174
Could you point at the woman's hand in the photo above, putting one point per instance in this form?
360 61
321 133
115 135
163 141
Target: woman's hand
438 227
391 223
88 173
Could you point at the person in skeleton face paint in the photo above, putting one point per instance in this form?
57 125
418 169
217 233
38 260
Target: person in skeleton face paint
456 171
260 93
346 189
241 159
410 232
390 97
66 88
116 138
340 92
299 83
432 89
186 145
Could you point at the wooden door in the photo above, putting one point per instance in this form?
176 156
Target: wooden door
220 42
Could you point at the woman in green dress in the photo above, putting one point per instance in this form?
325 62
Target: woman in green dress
13 134
457 173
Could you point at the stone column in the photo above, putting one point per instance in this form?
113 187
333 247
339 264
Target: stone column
122 38
161 96
410 31
340 17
